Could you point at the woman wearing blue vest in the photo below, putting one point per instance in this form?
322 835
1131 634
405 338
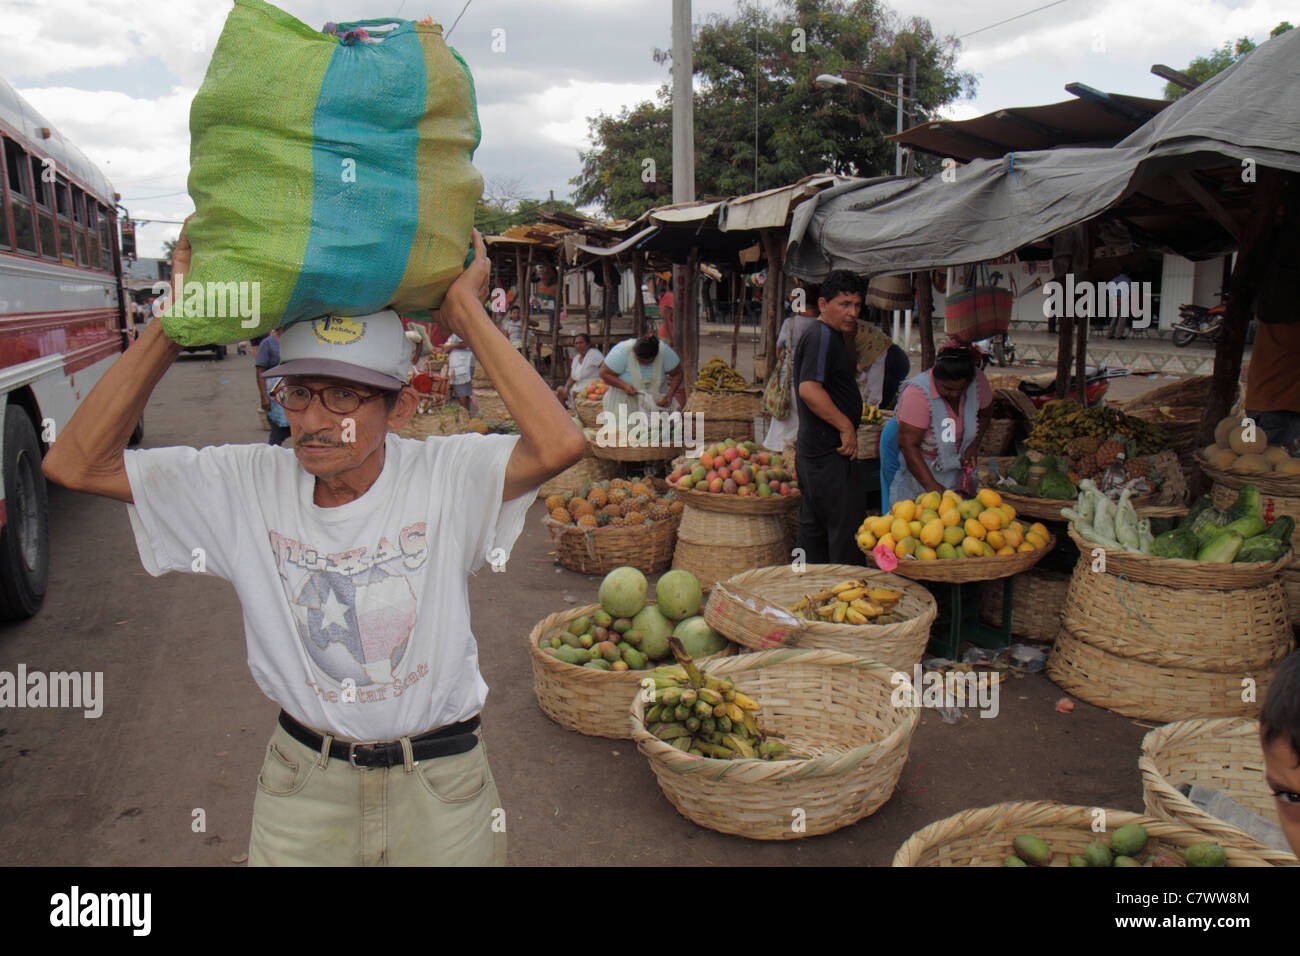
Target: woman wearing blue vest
936 429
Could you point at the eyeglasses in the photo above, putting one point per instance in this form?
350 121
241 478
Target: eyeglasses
338 399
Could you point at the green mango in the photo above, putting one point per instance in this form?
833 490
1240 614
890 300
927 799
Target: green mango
568 654
622 625
1032 850
1077 860
1014 861
1097 854
602 618
1128 840
1125 861
598 664
580 626
1206 854
634 658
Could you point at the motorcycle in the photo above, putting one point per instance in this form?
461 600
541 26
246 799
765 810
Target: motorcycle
1195 321
1041 389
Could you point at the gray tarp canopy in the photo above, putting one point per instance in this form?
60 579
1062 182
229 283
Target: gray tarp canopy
988 208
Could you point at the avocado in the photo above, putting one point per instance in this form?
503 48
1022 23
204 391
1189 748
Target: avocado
1206 854
1097 854
1128 840
1032 850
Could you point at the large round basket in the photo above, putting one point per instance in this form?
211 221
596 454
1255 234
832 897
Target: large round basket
634 452
834 711
984 837
588 468
750 609
587 410
1221 755
738 406
590 701
1181 572
1223 494
1222 631
736 505
961 570
1134 688
647 547
1036 607
1283 486
715 546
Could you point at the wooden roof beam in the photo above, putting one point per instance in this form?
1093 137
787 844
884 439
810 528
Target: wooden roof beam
1208 203
1103 101
1176 77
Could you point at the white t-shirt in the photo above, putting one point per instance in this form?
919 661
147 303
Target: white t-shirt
583 369
460 363
373 591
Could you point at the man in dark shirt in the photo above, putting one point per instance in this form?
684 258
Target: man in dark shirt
830 410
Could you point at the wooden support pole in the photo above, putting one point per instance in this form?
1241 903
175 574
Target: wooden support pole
924 317
1084 261
735 284
525 303
638 301
560 286
586 301
686 319
606 301
1260 225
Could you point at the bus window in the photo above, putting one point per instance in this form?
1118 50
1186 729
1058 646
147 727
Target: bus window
105 244
66 254
79 226
44 215
92 234
20 197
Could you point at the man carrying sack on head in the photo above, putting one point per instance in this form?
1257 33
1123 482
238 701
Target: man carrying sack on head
350 555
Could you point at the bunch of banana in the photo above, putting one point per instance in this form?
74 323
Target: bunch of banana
718 376
850 602
871 415
705 715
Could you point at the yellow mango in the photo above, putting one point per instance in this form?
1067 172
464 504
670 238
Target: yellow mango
881 524
928 515
1026 546
906 510
932 533
1035 541
988 550
950 517
989 498
866 541
1007 550
914 528
1008 513
906 546
1037 528
887 540
997 540
991 519
927 554
975 530
1013 535
900 529
954 534
930 501
972 547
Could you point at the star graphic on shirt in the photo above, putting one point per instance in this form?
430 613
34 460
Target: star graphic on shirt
333 611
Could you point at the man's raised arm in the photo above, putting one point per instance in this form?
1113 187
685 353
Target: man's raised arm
549 441
86 454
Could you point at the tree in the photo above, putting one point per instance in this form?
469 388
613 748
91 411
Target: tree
1204 67
801 128
504 204
169 247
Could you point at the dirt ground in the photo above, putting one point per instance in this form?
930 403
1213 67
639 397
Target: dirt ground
184 726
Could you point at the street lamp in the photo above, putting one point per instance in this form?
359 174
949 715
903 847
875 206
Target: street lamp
827 80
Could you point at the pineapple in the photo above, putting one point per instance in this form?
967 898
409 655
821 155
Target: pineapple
602 518
555 501
587 521
634 518
1137 468
659 511
617 495
614 511
598 498
1083 446
1108 453
616 521
561 515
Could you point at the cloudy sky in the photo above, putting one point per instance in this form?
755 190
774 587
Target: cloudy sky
117 76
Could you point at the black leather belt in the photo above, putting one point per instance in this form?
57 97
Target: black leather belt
443 742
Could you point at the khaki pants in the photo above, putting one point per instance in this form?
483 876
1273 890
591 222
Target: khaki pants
313 810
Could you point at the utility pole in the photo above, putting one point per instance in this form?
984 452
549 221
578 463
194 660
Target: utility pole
898 128
684 323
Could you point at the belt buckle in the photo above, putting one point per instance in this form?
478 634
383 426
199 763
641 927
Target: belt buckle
352 753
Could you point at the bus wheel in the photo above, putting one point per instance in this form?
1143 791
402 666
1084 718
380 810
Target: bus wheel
25 539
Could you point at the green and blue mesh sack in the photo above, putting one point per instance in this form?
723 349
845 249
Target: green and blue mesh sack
331 172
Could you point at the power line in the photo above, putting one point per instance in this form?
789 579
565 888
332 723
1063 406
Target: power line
1018 16
459 15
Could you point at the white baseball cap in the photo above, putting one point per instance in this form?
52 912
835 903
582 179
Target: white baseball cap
363 349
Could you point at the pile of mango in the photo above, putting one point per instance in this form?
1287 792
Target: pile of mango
850 602
945 527
1125 845
705 715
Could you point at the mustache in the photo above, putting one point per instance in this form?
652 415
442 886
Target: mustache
319 440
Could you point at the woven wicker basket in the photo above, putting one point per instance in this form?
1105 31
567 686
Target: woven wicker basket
832 709
583 699
1220 755
736 505
1181 572
720 429
726 405
1036 608
999 436
1291 581
984 837
648 548
587 409
622 453
715 546
1222 631
445 421
571 479
961 570
869 436
1278 486
1149 691
898 645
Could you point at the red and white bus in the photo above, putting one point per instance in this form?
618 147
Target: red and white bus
62 323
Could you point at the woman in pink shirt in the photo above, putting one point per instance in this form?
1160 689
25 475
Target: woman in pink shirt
940 417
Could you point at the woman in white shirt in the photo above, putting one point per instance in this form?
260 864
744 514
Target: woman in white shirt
584 367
